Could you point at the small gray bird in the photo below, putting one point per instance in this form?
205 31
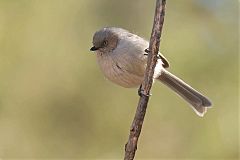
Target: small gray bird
122 58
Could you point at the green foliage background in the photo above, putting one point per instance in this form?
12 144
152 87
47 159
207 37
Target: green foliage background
55 103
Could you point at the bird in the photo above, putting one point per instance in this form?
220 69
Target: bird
122 58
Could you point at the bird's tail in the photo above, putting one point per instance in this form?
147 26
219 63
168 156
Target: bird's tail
198 102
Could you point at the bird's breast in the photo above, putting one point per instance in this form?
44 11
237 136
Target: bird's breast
120 70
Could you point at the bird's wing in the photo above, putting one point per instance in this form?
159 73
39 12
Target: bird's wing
164 59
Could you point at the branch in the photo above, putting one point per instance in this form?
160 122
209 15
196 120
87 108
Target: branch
135 130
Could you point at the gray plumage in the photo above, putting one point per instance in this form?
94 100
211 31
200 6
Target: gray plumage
122 59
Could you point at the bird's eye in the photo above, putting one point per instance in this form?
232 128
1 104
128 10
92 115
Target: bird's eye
105 43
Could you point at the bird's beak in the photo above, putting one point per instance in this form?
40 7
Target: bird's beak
93 48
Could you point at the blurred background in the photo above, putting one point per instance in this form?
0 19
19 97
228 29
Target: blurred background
55 102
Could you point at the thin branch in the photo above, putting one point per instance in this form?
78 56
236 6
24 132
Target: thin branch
135 130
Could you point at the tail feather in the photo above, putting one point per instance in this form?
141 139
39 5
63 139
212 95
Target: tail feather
198 102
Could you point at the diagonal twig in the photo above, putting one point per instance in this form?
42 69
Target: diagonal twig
135 130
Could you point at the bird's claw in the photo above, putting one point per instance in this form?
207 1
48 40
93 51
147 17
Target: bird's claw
148 51
141 93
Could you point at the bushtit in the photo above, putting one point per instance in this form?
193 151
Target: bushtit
122 58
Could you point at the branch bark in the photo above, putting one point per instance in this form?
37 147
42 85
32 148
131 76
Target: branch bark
135 130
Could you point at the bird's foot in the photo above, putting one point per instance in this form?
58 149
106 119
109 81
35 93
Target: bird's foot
140 92
147 51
